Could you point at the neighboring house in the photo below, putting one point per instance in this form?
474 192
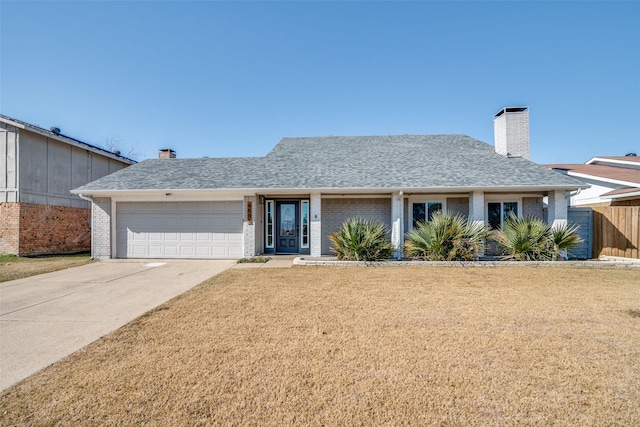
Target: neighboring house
291 200
613 180
38 168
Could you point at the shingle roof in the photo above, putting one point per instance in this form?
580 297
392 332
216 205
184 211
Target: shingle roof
602 171
345 162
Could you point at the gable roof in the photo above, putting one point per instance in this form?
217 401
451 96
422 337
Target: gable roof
64 138
346 163
619 175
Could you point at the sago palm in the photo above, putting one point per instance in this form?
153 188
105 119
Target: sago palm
565 238
444 238
360 239
530 239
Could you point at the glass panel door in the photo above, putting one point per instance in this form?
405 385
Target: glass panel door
288 227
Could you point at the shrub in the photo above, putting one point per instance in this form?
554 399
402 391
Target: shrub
360 239
565 238
445 238
530 239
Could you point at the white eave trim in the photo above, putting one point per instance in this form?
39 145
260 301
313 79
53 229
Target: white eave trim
338 191
602 179
12 123
632 194
613 161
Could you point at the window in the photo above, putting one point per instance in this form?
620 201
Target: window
497 212
269 224
304 220
425 210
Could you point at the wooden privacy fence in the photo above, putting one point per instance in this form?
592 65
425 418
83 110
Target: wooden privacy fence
616 231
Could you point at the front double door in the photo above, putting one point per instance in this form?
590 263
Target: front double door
287 227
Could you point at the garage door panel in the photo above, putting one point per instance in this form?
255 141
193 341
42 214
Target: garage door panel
235 238
179 230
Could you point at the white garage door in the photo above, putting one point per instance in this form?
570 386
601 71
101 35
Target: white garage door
179 230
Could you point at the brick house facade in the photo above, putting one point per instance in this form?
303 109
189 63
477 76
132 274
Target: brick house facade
292 199
38 168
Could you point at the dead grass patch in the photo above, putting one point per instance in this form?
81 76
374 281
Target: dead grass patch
12 267
361 346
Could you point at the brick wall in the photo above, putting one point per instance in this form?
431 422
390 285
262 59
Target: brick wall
46 229
101 228
249 230
9 226
458 206
533 206
336 211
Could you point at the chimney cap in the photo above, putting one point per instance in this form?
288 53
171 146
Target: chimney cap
522 109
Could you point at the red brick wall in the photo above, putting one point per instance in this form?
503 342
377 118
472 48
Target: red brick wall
9 223
43 229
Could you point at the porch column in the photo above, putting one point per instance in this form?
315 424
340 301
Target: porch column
476 210
557 208
315 235
397 229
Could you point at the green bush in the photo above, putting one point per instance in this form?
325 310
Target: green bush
445 238
530 239
360 239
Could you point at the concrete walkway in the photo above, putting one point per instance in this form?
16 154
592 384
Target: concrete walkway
47 317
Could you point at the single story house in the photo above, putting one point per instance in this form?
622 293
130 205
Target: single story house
613 180
290 200
38 169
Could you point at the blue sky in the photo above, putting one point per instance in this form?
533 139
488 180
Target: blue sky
220 79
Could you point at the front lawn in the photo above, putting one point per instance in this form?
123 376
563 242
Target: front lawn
361 346
13 267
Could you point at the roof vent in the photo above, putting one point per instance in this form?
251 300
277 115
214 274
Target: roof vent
55 130
630 155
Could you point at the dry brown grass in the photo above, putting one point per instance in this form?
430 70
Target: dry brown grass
12 268
361 346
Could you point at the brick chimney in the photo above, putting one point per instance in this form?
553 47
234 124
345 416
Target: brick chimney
166 153
511 132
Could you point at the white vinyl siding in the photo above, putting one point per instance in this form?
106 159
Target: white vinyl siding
179 230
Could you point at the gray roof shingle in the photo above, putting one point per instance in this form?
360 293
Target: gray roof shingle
345 162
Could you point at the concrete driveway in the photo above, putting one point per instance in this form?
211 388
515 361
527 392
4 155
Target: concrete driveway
45 318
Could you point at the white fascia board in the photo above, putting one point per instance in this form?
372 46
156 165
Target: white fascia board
613 161
229 192
622 196
602 179
166 195
12 123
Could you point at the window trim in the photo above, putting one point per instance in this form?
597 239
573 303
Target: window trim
502 201
269 208
426 201
304 245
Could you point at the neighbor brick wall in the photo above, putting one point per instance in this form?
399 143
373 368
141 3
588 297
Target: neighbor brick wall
32 229
48 229
336 211
9 226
